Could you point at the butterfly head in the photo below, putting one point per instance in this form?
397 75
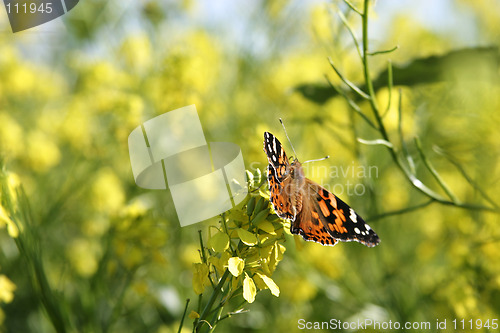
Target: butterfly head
296 170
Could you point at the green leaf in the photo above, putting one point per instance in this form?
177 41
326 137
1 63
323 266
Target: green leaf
236 265
247 237
249 289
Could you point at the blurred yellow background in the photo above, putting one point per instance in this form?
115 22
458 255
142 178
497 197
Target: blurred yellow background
72 91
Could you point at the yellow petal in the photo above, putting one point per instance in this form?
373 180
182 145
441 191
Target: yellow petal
267 227
200 275
236 265
6 220
249 289
7 288
247 237
259 282
194 315
219 242
12 230
275 290
4 217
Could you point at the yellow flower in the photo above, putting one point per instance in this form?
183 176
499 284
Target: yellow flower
11 135
107 192
42 152
136 52
5 220
219 242
76 127
7 288
264 282
236 265
249 289
200 277
83 254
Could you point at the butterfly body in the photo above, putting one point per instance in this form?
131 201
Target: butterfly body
315 213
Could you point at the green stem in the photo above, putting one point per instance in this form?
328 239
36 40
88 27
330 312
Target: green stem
211 301
434 173
183 316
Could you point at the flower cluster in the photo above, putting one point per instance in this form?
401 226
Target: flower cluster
244 250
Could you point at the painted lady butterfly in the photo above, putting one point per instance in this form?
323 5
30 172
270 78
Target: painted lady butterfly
315 214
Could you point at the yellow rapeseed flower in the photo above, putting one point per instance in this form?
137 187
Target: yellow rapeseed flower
42 151
7 288
11 135
5 220
200 277
249 289
83 254
107 192
136 52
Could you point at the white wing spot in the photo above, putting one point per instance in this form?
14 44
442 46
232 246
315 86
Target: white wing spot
274 158
352 216
367 227
356 230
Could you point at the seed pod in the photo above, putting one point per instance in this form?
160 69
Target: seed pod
250 206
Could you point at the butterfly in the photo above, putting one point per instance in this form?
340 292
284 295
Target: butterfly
315 213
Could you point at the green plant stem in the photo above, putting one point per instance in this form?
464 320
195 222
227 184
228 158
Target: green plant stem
466 176
353 7
211 301
434 173
401 211
383 132
349 83
352 104
183 316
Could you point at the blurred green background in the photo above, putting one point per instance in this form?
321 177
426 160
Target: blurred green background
72 90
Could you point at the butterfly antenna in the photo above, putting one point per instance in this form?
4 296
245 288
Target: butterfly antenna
318 159
282 124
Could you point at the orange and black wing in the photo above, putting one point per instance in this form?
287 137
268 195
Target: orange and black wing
326 213
309 225
278 177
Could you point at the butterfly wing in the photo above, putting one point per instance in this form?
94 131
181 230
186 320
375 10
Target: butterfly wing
276 156
310 226
278 177
339 220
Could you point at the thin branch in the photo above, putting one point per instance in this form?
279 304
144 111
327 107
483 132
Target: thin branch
383 51
183 316
349 83
376 142
466 176
434 173
351 31
352 104
401 211
404 148
204 256
389 88
347 2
